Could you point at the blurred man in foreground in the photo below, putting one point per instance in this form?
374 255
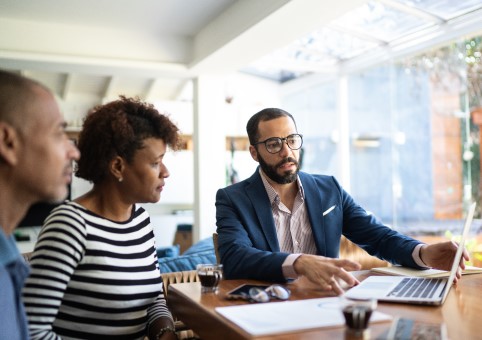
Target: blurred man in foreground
35 165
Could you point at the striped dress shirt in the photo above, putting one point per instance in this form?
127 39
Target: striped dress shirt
293 228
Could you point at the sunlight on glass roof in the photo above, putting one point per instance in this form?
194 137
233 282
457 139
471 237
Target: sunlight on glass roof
376 25
446 9
380 21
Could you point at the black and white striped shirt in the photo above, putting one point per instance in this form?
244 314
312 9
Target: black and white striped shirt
94 278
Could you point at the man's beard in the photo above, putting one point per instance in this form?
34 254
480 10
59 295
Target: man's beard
270 171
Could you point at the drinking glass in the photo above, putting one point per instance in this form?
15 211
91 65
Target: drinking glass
357 315
209 275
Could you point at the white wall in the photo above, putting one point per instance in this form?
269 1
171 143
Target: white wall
215 119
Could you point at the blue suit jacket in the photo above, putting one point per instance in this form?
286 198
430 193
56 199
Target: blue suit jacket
247 241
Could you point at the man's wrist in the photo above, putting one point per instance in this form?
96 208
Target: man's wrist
288 268
164 330
417 256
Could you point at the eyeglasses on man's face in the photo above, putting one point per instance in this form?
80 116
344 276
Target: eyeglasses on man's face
275 144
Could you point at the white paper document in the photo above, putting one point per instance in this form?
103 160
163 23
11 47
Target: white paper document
288 316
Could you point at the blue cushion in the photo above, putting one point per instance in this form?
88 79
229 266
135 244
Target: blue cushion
201 246
201 252
170 251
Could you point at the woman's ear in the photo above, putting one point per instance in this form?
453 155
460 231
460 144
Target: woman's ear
116 167
9 144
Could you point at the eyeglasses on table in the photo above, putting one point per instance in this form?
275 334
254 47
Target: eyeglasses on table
279 292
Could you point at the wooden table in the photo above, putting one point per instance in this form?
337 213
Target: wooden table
461 312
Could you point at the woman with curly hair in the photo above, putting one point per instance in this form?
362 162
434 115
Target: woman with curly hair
94 268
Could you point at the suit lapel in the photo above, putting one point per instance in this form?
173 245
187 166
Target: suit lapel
314 205
260 201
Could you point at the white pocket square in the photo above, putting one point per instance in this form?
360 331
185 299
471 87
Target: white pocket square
327 211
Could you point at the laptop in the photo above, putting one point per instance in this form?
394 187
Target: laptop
413 290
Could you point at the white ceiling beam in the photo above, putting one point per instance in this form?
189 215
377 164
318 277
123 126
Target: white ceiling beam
149 91
413 11
90 65
66 86
357 34
108 89
81 48
251 29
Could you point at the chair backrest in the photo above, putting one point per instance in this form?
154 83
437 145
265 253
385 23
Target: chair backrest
182 331
215 243
178 277
27 256
350 251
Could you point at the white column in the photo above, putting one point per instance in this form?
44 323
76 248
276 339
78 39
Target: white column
209 144
344 128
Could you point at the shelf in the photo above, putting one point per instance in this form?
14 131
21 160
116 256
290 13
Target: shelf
73 132
240 143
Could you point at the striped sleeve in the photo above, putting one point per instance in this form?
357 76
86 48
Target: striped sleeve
59 249
159 307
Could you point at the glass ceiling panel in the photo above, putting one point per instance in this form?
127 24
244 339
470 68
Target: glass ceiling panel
320 50
380 21
446 9
366 29
271 72
339 45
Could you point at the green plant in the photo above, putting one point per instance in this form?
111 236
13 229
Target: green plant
471 245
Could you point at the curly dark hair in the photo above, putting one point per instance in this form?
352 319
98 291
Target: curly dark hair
119 128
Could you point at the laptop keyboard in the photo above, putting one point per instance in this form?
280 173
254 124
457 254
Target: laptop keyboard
416 287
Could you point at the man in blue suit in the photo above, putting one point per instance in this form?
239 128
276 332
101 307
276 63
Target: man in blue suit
282 223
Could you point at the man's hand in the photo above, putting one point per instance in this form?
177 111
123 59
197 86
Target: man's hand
441 256
326 272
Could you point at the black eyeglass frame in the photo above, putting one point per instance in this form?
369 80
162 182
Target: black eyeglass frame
282 140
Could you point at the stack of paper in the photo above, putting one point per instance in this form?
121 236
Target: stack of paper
289 316
405 271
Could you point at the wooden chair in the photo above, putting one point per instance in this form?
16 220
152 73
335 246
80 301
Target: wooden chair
178 277
182 331
215 243
350 251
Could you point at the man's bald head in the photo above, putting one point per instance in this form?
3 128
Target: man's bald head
17 94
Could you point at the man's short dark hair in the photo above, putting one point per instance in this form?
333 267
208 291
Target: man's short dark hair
16 91
262 116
